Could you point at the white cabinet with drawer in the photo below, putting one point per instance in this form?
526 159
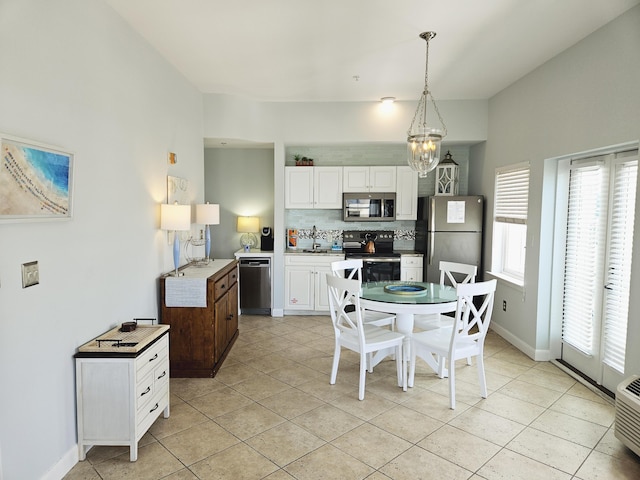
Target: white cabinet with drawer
411 268
305 281
121 391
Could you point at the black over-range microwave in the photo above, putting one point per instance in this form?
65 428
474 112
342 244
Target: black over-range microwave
372 207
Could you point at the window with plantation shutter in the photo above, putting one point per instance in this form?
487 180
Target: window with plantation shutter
511 203
512 194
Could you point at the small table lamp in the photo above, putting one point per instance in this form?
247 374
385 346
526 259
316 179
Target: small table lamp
248 226
207 214
174 218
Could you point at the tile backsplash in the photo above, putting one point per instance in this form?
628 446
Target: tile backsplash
329 227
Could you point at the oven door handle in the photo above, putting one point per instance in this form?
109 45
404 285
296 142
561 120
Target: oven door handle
381 260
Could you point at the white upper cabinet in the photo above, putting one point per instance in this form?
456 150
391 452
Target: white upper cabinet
406 194
369 179
313 187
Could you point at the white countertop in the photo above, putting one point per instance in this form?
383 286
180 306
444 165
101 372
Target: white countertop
254 252
205 271
290 251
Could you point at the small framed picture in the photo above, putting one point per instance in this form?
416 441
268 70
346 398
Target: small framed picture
36 181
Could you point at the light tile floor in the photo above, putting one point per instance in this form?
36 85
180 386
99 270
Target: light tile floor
271 413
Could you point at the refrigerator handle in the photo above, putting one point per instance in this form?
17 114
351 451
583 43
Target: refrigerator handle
431 247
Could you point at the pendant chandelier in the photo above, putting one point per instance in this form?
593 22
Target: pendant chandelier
424 141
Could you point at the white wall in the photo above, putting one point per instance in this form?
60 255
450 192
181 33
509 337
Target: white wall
317 123
76 76
585 98
240 180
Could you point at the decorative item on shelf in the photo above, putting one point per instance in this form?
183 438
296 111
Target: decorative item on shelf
423 141
248 226
174 218
207 214
447 176
303 161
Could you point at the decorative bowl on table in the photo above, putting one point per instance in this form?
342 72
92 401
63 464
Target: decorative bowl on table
405 289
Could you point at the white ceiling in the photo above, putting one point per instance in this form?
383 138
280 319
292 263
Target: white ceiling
361 50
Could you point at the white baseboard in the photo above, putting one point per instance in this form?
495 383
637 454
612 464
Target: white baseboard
535 354
277 312
64 465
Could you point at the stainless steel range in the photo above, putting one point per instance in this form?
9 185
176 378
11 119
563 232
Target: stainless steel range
375 248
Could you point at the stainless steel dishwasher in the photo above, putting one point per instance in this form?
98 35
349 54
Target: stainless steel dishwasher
255 285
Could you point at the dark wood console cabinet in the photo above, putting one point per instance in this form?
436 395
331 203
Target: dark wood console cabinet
201 337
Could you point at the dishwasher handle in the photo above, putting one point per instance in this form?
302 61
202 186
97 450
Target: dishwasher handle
255 263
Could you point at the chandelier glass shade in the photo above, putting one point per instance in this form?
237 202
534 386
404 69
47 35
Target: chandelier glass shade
424 141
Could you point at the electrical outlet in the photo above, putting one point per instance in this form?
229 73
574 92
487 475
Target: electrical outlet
30 274
504 305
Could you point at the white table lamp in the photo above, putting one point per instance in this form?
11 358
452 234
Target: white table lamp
207 214
173 218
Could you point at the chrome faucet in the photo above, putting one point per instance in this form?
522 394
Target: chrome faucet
314 233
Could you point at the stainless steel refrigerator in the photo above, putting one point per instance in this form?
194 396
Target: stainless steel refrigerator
449 228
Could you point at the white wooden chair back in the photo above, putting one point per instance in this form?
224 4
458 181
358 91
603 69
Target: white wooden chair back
473 322
449 269
344 293
351 269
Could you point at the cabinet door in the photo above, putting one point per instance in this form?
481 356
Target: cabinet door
382 179
321 293
299 287
221 309
406 194
411 274
232 311
298 188
327 187
355 179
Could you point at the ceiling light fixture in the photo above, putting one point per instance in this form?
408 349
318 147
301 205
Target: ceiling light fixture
423 141
388 100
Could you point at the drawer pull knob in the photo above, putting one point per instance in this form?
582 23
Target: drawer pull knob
154 357
154 408
146 391
162 374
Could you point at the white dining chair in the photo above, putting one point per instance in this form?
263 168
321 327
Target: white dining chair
352 269
451 273
352 333
464 340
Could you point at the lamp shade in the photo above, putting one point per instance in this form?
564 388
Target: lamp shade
248 225
208 214
175 216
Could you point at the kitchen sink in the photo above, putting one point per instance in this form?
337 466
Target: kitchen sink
315 251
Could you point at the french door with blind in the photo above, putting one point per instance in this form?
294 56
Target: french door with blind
597 264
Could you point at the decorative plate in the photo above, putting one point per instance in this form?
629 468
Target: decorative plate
405 289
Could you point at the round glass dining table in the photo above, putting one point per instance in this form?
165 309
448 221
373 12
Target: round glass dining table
405 299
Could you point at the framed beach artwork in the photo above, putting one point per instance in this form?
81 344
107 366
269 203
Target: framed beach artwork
35 181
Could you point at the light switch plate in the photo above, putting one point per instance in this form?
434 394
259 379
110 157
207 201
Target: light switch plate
30 274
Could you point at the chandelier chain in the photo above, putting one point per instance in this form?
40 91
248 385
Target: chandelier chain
423 141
